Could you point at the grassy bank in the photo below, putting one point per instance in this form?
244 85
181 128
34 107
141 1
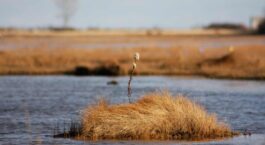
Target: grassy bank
153 117
247 62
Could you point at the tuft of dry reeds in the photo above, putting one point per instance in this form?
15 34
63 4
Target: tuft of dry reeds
156 116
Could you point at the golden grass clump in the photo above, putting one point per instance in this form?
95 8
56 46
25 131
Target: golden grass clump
155 116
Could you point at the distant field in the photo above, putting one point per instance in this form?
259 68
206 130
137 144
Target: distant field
11 41
236 56
123 32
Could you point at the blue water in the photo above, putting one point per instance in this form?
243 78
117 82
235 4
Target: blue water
32 106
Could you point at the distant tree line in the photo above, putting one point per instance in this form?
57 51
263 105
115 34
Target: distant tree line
231 26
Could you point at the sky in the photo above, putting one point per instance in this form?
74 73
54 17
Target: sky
130 13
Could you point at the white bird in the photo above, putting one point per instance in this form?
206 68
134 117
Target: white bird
136 56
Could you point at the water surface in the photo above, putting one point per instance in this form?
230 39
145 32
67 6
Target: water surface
32 106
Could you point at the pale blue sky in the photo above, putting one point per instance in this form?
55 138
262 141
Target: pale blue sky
131 13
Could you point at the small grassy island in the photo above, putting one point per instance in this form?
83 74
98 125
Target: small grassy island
157 116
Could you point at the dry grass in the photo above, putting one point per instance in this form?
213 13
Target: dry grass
184 57
155 116
245 62
122 32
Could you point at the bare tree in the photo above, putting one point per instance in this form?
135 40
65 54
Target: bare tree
67 9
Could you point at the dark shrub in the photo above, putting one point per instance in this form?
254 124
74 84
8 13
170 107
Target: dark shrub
102 70
107 70
261 28
82 71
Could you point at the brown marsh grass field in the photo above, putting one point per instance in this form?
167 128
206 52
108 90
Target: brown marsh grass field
183 55
157 116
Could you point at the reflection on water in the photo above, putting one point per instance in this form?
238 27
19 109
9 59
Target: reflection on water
31 107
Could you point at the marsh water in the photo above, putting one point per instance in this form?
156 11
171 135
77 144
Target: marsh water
31 107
